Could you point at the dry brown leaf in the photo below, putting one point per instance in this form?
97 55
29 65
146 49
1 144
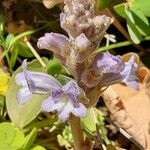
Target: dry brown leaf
121 117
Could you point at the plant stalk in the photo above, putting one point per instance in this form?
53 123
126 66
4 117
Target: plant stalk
77 132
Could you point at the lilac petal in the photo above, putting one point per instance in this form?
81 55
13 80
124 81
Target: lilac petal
80 111
55 42
65 112
108 63
23 95
49 105
72 90
35 82
127 76
43 82
20 79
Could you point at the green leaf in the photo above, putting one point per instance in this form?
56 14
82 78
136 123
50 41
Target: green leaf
21 115
142 5
141 22
16 38
7 147
120 10
7 133
23 50
102 4
54 67
30 139
19 139
14 56
8 40
133 31
88 122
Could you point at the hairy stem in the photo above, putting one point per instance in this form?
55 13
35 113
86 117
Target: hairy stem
77 132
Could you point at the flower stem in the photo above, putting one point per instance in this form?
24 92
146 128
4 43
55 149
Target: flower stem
77 132
35 53
117 45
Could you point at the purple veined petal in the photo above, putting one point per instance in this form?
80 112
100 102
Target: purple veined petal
43 83
72 90
108 63
55 42
49 105
127 76
35 83
81 111
23 95
40 82
57 93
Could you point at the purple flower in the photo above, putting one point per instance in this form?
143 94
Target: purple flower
111 70
65 101
63 98
55 42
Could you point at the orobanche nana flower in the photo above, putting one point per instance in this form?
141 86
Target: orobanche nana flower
108 69
63 99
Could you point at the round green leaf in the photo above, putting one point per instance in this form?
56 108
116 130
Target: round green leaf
7 147
7 133
19 139
21 115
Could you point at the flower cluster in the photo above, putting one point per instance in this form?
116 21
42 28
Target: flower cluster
77 53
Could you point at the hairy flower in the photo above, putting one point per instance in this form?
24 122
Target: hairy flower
111 70
57 43
63 98
64 101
